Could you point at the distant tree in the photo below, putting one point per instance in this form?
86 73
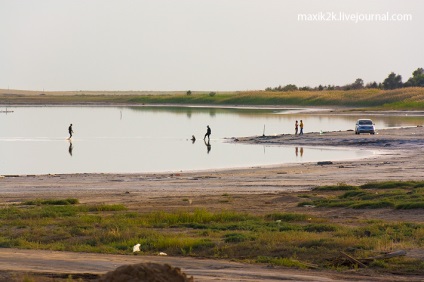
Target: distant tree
358 84
320 87
393 81
372 85
289 87
189 92
331 87
212 94
305 88
418 72
417 79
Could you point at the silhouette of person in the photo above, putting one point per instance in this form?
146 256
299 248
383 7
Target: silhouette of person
208 145
70 148
193 139
296 127
301 127
70 131
208 133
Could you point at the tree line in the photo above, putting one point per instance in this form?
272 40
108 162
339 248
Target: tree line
393 81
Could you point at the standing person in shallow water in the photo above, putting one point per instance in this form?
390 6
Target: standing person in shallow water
296 127
70 131
208 133
301 127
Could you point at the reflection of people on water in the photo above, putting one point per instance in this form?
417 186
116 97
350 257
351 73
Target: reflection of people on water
70 148
296 151
70 131
208 146
208 133
193 139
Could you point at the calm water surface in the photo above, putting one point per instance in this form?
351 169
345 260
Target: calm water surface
33 140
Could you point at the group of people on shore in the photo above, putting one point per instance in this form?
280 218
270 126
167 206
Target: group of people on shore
296 127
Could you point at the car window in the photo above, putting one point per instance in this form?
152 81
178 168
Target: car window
365 122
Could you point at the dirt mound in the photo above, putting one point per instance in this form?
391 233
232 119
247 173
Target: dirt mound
148 272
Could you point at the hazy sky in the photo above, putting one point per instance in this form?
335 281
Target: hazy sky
202 44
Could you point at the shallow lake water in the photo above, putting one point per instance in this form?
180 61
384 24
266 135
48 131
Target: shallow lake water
33 140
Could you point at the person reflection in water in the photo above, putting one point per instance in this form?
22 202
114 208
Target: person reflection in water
70 148
208 145
296 151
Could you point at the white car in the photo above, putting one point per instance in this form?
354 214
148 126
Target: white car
364 126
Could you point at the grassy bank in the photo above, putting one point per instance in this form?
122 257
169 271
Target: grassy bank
299 240
393 195
399 99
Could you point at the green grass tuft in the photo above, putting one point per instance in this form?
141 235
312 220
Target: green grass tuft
61 202
389 194
287 262
287 217
335 188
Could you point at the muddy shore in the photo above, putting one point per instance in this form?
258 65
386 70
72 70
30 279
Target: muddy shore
399 155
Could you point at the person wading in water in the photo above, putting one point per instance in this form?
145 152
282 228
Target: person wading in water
208 133
70 131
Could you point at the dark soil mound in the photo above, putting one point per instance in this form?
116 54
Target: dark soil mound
148 272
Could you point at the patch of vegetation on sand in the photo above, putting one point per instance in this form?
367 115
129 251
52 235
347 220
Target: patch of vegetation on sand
40 202
390 194
298 240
